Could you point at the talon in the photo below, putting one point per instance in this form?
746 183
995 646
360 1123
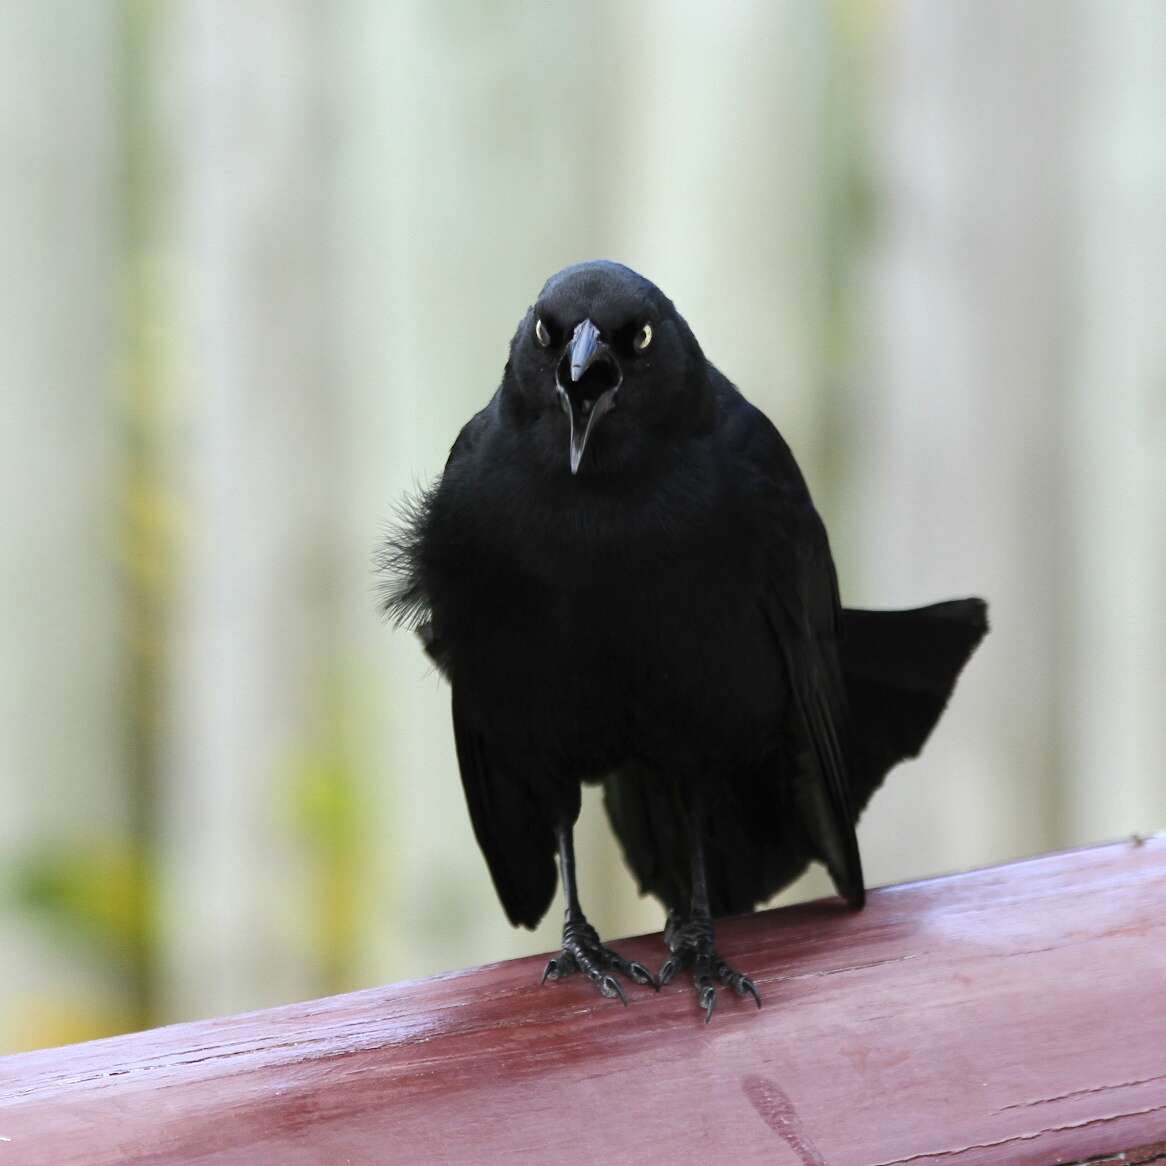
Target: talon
641 975
708 999
708 969
610 987
582 952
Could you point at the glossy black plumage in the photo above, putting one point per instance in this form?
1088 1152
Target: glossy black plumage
655 608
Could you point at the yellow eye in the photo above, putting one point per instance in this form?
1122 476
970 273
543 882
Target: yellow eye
540 332
644 338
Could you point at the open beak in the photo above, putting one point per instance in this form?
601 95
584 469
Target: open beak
595 380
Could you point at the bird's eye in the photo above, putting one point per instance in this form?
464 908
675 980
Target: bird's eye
540 333
644 338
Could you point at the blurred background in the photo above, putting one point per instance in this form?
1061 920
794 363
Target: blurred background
262 258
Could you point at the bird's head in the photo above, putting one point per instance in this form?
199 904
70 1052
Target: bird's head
602 364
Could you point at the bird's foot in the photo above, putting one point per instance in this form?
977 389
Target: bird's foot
691 943
582 952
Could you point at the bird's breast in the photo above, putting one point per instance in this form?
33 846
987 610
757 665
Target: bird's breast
654 650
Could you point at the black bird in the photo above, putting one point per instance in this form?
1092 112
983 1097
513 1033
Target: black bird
624 579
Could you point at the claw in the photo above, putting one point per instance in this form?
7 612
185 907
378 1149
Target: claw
609 986
692 946
641 975
582 952
708 1000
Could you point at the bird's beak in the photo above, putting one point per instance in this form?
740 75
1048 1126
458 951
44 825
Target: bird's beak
589 397
584 346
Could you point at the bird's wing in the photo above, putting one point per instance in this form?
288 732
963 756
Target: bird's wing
512 828
799 596
511 824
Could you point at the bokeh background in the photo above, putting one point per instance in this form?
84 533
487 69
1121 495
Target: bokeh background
262 258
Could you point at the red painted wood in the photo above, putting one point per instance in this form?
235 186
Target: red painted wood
1009 1016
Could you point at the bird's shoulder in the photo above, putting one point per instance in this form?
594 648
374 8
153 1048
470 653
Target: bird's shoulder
763 471
796 560
473 436
755 443
476 483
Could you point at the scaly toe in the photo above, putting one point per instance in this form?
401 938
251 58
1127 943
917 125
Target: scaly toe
692 946
582 952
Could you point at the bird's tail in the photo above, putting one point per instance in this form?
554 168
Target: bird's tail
900 668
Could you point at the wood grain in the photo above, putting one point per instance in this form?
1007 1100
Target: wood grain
1015 1015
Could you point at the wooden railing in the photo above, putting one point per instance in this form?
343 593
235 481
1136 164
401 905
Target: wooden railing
1008 1016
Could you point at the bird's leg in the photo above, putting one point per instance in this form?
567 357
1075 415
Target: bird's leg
690 939
582 951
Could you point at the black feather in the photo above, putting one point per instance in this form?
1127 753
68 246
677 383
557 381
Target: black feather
660 613
398 562
900 668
